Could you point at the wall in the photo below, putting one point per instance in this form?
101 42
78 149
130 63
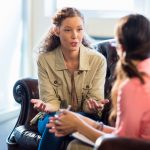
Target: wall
39 23
102 27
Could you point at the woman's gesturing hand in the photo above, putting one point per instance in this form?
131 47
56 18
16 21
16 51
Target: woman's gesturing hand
40 105
95 106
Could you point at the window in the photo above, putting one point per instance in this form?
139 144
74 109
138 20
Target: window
11 46
105 5
101 8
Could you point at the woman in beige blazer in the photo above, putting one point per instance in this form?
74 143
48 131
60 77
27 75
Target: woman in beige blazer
69 73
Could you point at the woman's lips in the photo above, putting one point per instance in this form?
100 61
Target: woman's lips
74 44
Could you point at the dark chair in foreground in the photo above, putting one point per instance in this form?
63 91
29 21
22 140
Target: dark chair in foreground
112 142
25 136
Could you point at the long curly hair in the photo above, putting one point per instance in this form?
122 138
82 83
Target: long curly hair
133 33
51 41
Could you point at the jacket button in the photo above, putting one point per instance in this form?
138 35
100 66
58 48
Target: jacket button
87 86
55 82
79 72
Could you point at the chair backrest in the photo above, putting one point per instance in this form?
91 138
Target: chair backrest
108 49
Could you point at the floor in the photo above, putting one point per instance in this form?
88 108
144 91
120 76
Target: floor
5 129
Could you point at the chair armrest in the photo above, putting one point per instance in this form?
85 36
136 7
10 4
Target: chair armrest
26 138
23 91
113 142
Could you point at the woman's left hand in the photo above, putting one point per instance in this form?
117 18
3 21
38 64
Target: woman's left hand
95 106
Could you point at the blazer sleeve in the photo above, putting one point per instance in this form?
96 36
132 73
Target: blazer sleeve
46 90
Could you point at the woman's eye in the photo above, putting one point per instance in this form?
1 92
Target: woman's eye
80 29
67 30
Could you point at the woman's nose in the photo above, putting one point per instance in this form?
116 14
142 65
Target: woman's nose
74 34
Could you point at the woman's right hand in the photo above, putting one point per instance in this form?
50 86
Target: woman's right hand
40 105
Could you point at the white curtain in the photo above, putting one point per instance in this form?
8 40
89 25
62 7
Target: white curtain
10 46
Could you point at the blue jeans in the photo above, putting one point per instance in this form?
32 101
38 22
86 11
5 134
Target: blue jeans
49 141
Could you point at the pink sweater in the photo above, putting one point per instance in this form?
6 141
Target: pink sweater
133 114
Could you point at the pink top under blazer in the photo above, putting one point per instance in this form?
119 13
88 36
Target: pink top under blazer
133 114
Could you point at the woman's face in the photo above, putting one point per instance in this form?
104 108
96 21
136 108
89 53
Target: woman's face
71 33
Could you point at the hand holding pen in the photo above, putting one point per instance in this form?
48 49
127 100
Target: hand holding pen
61 111
65 124
54 121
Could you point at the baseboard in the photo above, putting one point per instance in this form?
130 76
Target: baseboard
9 114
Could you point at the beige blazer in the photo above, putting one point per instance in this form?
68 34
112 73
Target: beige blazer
55 80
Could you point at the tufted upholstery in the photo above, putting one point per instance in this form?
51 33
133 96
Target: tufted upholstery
24 136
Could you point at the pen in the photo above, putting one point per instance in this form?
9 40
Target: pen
69 107
58 112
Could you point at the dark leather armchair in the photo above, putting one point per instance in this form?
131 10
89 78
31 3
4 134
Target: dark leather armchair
23 135
26 137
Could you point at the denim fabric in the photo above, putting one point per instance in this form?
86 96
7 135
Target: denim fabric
49 141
